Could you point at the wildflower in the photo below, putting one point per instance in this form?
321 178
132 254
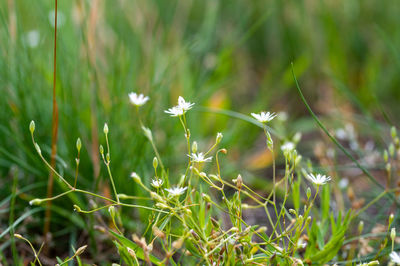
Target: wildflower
176 191
264 117
157 183
199 158
288 146
32 38
318 179
181 108
138 99
175 111
185 106
394 257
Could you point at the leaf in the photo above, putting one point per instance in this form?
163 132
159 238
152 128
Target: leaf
123 252
139 251
334 244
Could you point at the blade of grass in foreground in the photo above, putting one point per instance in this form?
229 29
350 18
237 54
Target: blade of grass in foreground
340 146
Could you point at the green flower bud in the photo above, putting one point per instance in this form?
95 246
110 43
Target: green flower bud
35 202
385 156
308 193
77 208
391 150
136 178
393 132
38 148
194 147
111 210
155 162
360 227
78 144
219 137
391 218
32 127
101 149
105 129
393 234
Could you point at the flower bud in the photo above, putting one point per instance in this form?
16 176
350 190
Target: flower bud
155 162
391 218
205 197
219 137
77 208
105 129
136 177
78 144
101 149
38 148
122 196
385 156
393 234
194 147
239 182
35 202
111 210
308 193
80 250
32 127
388 167
156 197
18 236
360 227
391 150
161 205
393 132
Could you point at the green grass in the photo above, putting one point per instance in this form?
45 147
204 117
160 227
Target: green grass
230 57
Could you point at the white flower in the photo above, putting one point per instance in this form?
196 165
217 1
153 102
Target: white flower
157 183
288 146
264 117
185 106
176 191
318 179
199 158
32 38
138 99
394 257
301 243
175 111
181 108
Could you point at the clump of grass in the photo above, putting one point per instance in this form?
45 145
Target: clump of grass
197 218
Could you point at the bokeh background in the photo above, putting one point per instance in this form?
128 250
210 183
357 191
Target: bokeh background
222 55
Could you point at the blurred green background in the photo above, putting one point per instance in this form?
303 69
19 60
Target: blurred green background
222 55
